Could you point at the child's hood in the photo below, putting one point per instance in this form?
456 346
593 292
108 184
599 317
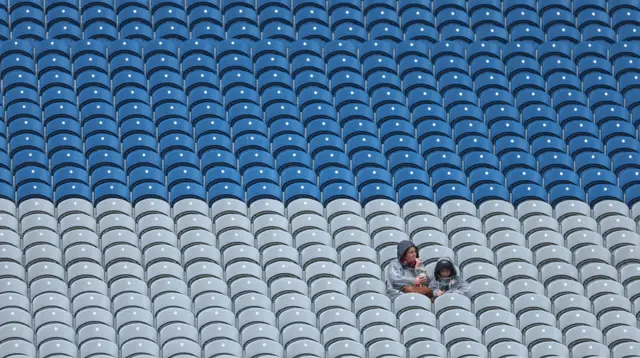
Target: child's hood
445 263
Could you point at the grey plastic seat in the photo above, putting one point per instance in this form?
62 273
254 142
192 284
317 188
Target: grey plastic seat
343 206
298 302
218 331
343 239
31 207
625 350
387 238
509 349
428 349
305 348
201 253
30 222
283 269
502 334
474 253
431 253
215 315
570 303
370 300
112 206
544 238
506 238
467 237
346 349
269 222
535 318
155 222
531 301
357 253
485 286
385 222
456 207
576 223
365 285
462 222
544 335
582 238
451 301
500 222
597 271
272 237
419 223
460 334
41 253
418 333
189 206
346 221
551 254
535 223
381 207
264 347
513 254
549 349
336 316
151 207
591 254
327 285
264 207
590 349
231 222
611 224
570 320
70 206
242 269
362 270
615 318
317 253
52 332
430 237
309 238
495 207
339 333
410 301
143 346
564 286
625 256
569 208
240 253
8 206
379 333
416 317
418 207
12 238
479 270
607 208
222 347
307 221
304 206
376 317
258 331
523 286
387 349
455 317
188 222
322 269
228 206
17 348
533 207
234 237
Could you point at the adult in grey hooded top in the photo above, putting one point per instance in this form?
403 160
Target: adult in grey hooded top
401 275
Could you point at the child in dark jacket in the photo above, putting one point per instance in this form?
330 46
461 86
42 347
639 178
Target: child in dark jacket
447 280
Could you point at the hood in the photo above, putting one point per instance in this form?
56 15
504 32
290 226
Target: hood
403 246
444 262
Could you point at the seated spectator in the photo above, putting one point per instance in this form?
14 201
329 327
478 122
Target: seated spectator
407 274
447 280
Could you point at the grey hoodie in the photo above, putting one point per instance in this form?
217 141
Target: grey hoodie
398 274
453 284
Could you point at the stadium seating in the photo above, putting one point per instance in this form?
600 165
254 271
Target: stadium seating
206 178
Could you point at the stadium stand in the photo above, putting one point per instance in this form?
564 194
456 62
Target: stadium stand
230 178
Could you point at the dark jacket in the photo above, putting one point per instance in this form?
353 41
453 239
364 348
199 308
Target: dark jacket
399 274
453 284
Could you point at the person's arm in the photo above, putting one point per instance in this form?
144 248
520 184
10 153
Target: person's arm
435 288
461 286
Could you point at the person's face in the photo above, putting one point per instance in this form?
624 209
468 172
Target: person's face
410 255
445 273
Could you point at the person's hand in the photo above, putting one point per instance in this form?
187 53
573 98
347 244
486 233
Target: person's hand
440 293
420 280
